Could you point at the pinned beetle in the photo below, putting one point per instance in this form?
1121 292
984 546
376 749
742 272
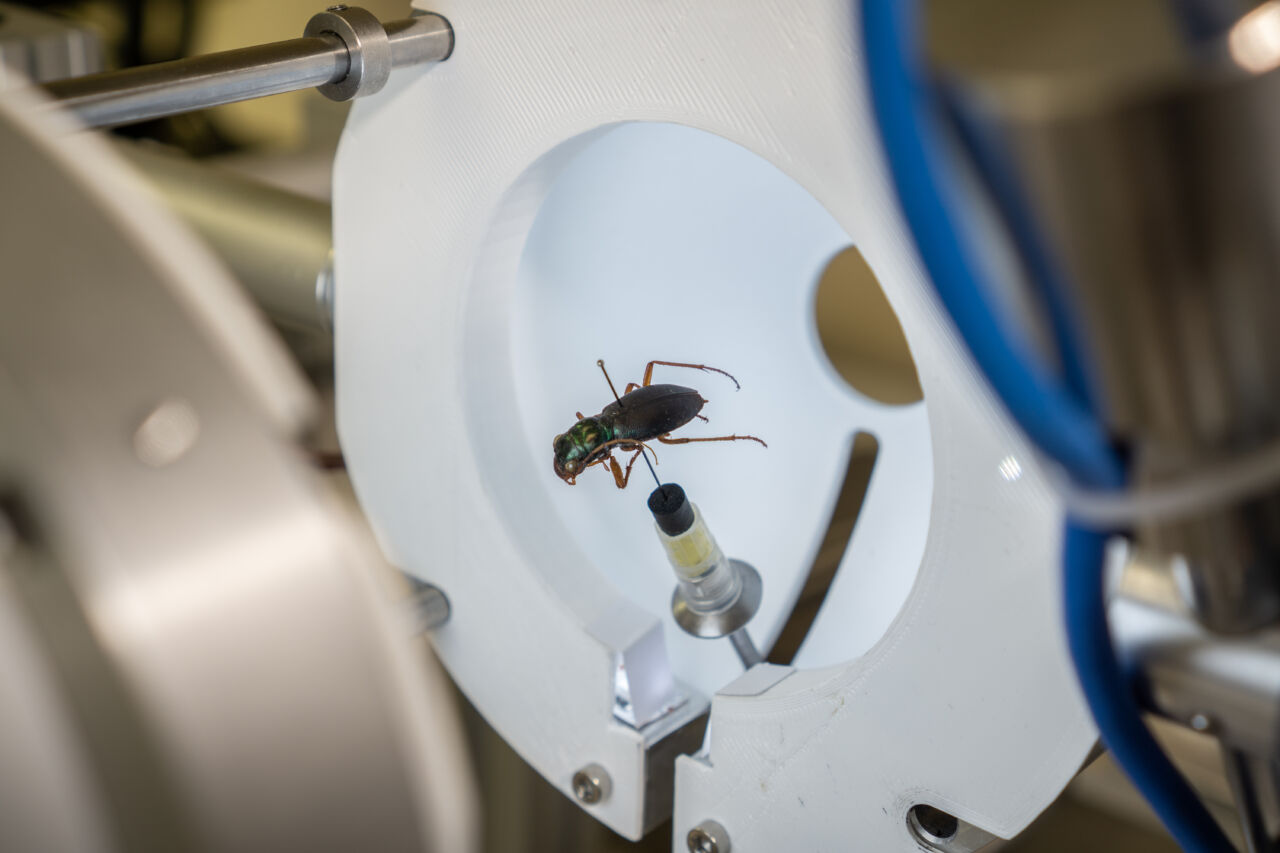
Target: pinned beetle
644 412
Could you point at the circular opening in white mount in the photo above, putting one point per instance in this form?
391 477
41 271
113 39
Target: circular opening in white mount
658 241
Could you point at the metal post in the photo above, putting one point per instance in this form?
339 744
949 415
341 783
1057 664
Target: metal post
346 51
1227 685
746 648
428 606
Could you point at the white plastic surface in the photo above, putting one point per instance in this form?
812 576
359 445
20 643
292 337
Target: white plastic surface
663 242
498 228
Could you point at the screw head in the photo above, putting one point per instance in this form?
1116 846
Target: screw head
1201 722
337 7
708 837
591 785
167 433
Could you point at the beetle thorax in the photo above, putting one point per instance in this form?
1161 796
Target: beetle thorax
578 446
590 433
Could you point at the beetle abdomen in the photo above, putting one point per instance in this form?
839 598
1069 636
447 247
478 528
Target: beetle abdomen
652 411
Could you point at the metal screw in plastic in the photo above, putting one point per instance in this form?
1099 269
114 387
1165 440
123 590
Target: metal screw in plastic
708 837
428 606
591 785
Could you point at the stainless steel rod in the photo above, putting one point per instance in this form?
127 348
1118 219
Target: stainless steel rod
1226 685
746 649
114 98
167 88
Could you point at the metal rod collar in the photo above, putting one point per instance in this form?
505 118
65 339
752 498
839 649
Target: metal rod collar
345 51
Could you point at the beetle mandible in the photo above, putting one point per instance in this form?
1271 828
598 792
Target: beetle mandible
643 413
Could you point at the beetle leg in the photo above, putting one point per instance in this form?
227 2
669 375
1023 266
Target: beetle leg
667 439
625 444
603 461
648 371
600 462
619 478
703 418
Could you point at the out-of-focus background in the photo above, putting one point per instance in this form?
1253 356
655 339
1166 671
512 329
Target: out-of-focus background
289 140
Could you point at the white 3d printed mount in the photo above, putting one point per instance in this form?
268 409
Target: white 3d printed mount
644 181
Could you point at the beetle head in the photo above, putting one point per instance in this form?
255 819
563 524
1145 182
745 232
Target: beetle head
573 448
568 458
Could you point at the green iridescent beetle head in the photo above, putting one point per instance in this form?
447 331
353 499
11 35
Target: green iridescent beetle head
573 448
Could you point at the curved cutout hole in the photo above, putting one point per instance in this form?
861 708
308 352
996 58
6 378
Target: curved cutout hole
935 829
861 335
933 825
648 241
844 518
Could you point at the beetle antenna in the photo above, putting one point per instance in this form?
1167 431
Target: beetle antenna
600 363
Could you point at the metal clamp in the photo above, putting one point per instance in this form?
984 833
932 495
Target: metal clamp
368 47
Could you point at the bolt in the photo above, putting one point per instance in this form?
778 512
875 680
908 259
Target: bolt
167 433
428 606
591 785
708 837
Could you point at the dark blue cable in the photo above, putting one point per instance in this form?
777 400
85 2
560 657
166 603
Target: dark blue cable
1059 424
1112 701
992 161
1055 422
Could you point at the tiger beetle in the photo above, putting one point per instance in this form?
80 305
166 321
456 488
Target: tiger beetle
644 412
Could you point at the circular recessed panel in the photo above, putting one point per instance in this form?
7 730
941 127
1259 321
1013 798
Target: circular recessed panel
663 242
497 231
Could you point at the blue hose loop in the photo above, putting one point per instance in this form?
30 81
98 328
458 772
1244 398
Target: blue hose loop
1111 698
992 161
901 98
1059 424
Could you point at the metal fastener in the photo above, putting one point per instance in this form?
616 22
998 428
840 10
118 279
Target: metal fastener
708 837
428 606
167 433
591 785
368 50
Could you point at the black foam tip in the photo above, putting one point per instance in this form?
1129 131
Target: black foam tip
671 509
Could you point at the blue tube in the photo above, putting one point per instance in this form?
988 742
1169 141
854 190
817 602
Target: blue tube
993 163
1058 423
1114 707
